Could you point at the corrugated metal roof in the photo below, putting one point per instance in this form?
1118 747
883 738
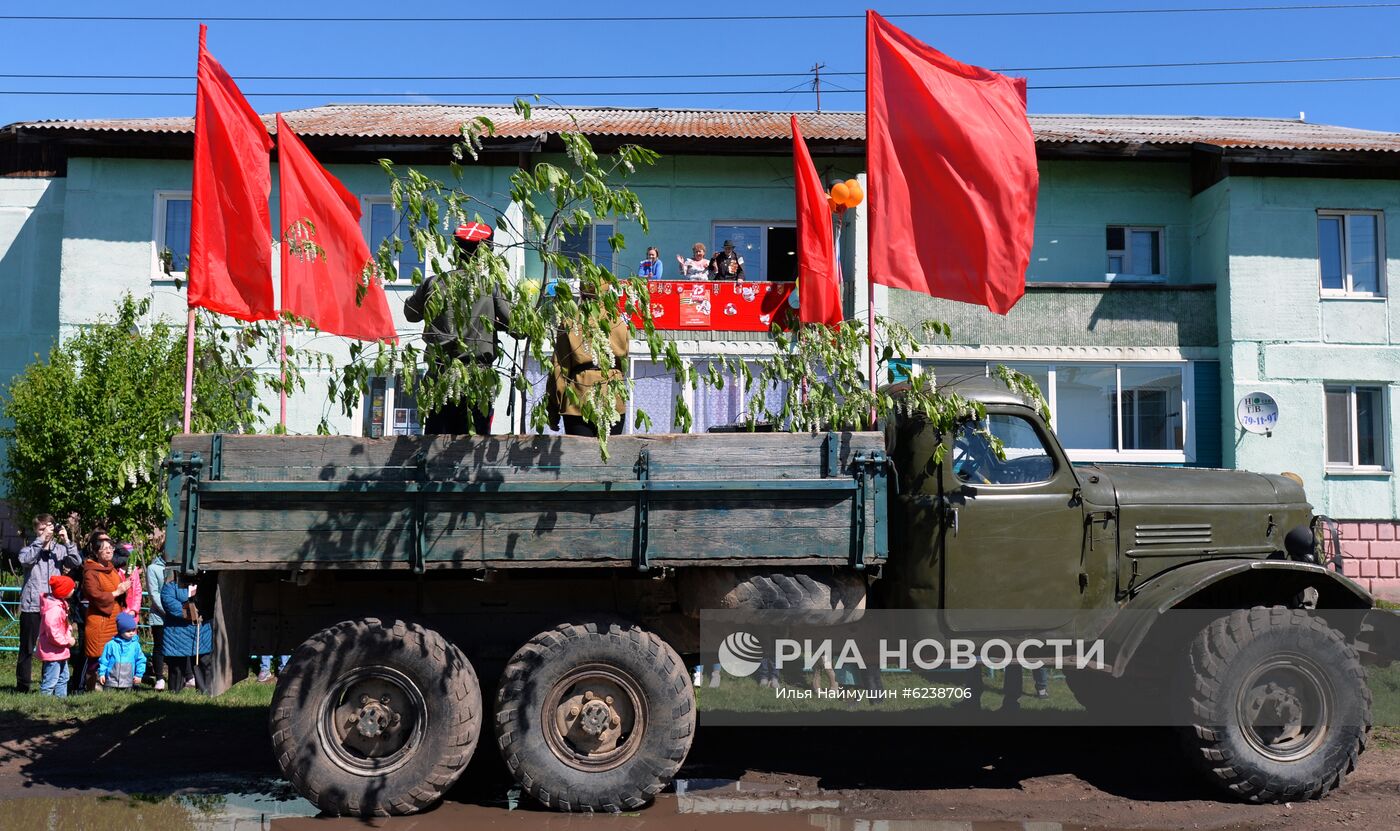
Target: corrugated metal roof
443 120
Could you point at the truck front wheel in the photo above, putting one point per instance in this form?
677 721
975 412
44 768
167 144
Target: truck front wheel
375 718
1280 709
595 716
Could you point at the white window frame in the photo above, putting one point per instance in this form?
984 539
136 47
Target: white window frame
1353 467
391 397
1127 274
404 281
594 243
763 225
1347 277
162 197
1187 455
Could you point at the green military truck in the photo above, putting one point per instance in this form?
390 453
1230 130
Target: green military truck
395 569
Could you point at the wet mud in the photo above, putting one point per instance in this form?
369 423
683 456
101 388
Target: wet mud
148 771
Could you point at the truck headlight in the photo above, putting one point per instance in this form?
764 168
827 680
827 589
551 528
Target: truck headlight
1300 545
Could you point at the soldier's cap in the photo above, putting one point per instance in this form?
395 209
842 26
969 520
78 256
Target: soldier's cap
473 232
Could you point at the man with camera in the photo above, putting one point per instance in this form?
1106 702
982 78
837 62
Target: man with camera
47 556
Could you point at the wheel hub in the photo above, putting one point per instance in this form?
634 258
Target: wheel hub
374 718
1284 708
598 718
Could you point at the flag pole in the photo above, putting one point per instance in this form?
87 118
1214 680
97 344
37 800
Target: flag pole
870 336
189 367
282 365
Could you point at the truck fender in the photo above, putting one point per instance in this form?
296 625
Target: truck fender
1177 587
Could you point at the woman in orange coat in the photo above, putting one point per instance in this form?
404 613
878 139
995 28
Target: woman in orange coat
104 590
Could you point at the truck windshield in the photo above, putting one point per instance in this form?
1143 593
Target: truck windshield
1025 458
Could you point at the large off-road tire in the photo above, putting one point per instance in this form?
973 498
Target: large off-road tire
375 718
595 716
803 596
1280 709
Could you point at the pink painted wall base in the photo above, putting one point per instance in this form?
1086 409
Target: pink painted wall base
1371 550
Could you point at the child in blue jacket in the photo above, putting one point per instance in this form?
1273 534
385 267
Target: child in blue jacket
122 662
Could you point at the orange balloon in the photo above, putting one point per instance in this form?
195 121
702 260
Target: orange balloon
832 203
840 193
854 193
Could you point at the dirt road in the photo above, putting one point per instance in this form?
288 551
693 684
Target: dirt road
834 779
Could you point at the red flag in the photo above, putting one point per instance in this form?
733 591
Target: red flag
818 280
230 232
321 219
953 179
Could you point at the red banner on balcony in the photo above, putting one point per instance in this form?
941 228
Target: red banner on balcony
719 306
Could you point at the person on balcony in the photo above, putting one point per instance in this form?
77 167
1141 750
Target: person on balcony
651 268
697 267
727 264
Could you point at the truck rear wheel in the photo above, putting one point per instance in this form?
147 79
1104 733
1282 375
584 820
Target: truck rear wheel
595 716
375 718
1280 706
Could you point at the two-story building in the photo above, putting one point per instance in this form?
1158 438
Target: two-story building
1180 265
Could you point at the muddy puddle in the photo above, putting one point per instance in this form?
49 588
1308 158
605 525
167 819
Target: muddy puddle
697 805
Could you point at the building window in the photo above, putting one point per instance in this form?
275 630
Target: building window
380 222
1134 252
591 242
769 249
389 410
172 234
1351 252
1106 412
1355 428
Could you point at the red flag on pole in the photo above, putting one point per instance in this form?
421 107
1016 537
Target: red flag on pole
230 231
818 280
321 278
952 171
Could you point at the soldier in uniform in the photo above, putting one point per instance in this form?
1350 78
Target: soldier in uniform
470 338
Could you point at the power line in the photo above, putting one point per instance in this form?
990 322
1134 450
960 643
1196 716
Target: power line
632 77
630 93
695 18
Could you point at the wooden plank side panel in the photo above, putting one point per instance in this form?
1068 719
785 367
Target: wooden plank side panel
377 530
525 458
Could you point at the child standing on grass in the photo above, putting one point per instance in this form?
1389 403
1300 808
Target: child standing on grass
56 635
122 662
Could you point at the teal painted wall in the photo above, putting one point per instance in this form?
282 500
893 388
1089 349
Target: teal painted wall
108 248
1079 200
31 233
1286 340
686 196
1206 421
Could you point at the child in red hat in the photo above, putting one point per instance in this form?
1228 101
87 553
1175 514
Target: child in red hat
55 636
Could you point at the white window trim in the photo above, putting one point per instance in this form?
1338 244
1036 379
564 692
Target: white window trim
404 281
391 397
158 274
1346 290
593 243
1127 251
1353 468
733 350
764 224
1187 455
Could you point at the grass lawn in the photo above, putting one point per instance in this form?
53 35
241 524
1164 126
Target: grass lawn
28 708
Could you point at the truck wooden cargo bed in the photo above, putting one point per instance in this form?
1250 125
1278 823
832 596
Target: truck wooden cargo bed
451 502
